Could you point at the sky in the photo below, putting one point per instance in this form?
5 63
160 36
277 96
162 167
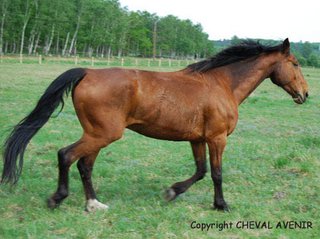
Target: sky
268 19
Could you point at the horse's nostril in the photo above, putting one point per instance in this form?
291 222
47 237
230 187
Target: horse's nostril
307 94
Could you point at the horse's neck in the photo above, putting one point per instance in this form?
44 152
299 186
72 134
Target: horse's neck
245 77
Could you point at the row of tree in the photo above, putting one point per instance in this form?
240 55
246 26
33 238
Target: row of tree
98 28
102 28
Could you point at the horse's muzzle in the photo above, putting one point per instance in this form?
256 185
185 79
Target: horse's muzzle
299 99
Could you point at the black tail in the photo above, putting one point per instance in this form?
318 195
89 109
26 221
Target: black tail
22 133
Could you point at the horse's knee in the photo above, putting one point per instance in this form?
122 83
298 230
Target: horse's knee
61 155
202 172
64 158
80 164
201 175
216 177
84 170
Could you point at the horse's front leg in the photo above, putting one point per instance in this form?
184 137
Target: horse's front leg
216 146
199 153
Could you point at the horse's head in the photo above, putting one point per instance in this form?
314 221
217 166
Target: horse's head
287 75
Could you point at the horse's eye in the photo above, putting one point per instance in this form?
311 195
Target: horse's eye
295 64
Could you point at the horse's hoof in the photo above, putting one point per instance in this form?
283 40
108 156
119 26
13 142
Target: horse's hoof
52 203
222 207
94 204
170 195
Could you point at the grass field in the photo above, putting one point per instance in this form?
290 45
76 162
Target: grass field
271 171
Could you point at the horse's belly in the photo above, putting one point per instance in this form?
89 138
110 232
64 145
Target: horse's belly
167 133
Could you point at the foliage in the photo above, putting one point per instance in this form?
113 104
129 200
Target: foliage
302 61
235 40
102 28
313 60
306 50
96 27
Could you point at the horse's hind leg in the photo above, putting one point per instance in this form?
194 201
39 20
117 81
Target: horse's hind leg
87 147
199 153
64 165
85 166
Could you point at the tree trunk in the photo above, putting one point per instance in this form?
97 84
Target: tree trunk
90 51
122 42
36 44
31 42
45 45
6 48
97 51
22 35
109 51
34 29
154 40
173 54
75 49
13 48
106 47
31 38
84 48
48 46
1 32
25 22
4 11
76 32
57 45
65 45
102 51
119 52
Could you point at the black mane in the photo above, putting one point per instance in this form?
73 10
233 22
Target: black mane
244 50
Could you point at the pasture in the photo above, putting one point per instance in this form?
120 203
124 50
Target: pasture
271 170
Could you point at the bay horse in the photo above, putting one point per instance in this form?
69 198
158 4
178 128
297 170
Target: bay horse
197 104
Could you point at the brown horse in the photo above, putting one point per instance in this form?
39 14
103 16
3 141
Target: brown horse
197 104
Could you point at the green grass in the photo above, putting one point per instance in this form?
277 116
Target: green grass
271 170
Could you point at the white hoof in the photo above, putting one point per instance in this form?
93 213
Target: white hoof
93 204
170 195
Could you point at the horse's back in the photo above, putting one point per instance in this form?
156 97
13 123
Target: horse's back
145 101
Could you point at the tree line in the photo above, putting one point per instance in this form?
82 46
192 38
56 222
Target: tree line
100 28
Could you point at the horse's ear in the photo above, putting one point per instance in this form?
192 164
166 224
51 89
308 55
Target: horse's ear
286 46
